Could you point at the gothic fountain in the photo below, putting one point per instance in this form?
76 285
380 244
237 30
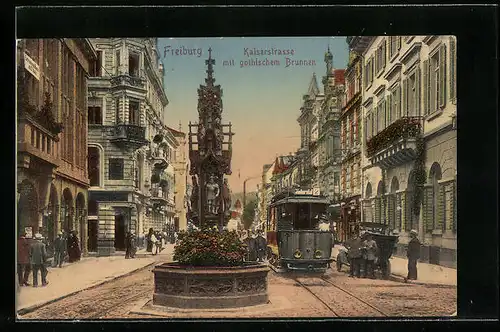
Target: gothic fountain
229 284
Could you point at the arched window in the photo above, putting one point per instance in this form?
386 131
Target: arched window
368 191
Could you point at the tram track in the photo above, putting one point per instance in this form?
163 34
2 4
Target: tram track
347 304
354 296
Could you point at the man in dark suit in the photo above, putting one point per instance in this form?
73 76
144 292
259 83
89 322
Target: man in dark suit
261 244
38 259
59 249
413 255
23 260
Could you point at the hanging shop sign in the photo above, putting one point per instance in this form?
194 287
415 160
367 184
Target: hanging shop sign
31 66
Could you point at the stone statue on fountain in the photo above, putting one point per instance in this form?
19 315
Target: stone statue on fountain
213 192
194 194
226 196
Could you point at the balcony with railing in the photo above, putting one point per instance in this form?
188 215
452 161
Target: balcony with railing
129 135
35 140
128 81
396 144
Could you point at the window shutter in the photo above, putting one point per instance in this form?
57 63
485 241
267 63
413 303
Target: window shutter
391 199
398 213
440 208
454 201
399 42
442 76
408 210
453 57
384 54
426 90
405 97
416 111
398 102
377 209
428 207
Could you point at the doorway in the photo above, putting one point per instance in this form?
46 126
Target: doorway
119 232
92 235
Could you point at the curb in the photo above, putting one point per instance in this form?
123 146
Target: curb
401 278
24 311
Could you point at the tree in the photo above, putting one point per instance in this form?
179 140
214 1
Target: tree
249 213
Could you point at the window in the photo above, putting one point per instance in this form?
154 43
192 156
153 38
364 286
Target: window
117 111
116 169
394 45
369 72
96 70
133 64
118 63
381 116
411 101
133 113
394 101
435 81
358 121
380 58
94 166
453 66
94 115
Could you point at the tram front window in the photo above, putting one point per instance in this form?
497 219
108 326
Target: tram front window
303 217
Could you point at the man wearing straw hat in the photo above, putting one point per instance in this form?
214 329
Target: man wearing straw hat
413 254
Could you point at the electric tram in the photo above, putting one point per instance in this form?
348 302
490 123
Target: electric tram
295 240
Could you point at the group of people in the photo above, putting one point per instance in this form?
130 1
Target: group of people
256 245
156 240
363 255
32 255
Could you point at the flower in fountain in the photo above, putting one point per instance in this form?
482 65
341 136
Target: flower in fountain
209 248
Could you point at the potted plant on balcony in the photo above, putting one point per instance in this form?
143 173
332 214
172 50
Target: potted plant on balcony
209 271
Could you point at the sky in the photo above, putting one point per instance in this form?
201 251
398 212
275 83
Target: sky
261 102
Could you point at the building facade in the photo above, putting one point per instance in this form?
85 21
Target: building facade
409 144
329 132
350 124
309 151
52 177
180 180
130 149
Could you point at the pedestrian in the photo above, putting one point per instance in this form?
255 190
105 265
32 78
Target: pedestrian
149 242
355 255
73 247
38 259
261 245
133 246
176 236
371 249
127 245
59 249
413 254
154 246
23 260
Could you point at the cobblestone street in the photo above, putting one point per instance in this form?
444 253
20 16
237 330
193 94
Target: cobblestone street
331 295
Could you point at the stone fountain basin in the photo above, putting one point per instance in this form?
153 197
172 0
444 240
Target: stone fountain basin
196 287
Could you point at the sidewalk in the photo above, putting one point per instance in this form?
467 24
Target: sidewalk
88 272
427 273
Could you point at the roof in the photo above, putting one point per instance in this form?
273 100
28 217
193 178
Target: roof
176 132
313 87
303 199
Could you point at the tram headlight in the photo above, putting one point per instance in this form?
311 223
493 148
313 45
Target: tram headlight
318 253
297 254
